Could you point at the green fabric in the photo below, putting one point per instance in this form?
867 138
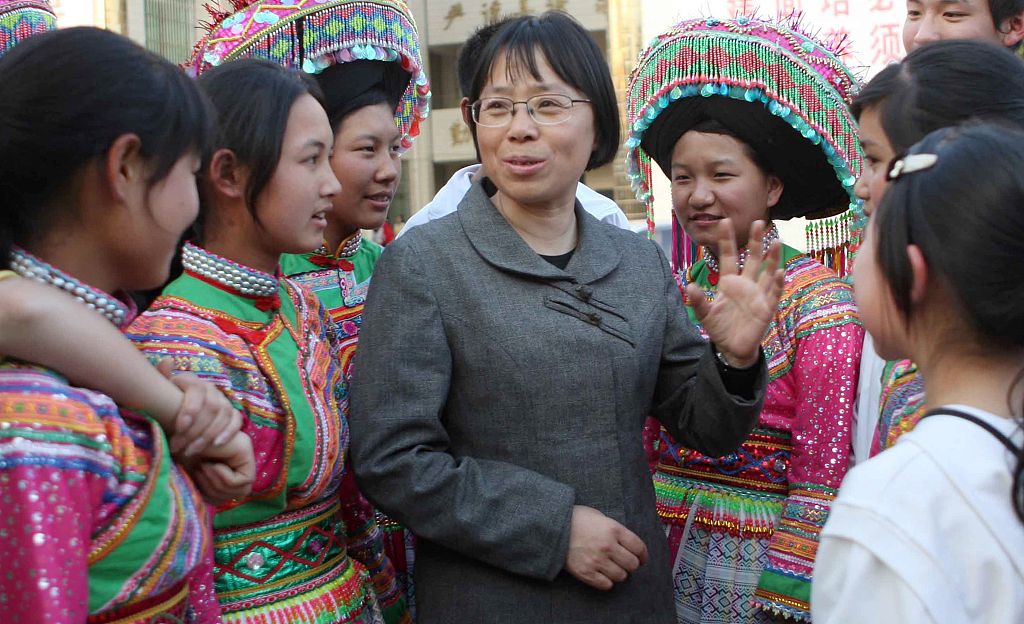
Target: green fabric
107 576
364 262
282 350
779 585
292 548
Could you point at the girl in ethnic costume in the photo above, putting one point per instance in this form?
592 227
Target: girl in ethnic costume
304 545
749 121
101 525
931 530
937 85
365 56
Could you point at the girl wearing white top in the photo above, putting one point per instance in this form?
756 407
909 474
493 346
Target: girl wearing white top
933 529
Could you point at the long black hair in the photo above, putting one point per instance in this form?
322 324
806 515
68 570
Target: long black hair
942 84
966 213
67 95
253 99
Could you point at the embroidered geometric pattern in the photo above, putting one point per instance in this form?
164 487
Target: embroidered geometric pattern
902 404
775 490
282 552
70 458
311 35
779 67
20 19
341 284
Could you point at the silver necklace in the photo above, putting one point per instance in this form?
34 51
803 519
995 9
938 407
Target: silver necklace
351 246
769 236
242 279
30 267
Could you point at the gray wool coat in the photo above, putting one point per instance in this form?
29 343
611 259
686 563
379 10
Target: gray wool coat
493 391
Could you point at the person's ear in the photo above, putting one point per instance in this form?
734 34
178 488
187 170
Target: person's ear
775 188
227 176
920 274
124 168
467 112
1012 29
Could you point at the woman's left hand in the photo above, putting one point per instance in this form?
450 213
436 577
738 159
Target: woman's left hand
745 302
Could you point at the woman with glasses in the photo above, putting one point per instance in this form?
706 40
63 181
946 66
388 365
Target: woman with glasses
510 351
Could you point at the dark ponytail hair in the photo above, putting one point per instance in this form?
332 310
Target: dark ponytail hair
966 213
66 96
942 84
253 99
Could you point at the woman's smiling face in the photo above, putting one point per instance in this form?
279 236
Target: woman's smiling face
535 164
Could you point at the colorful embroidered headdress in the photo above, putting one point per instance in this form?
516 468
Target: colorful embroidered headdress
23 18
785 90
313 35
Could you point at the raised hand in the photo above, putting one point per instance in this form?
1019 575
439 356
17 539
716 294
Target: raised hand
602 552
745 302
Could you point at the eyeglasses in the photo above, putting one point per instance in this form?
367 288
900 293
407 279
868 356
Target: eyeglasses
546 109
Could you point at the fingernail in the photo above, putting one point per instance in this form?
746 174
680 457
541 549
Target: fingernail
186 421
221 439
194 448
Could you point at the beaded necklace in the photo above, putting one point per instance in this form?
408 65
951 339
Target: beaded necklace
230 274
26 265
712 262
242 280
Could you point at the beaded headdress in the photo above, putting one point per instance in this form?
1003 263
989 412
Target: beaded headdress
775 66
312 35
23 18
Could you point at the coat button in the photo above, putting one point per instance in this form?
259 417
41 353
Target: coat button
595 319
585 293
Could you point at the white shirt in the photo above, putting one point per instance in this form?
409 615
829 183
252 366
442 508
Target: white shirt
447 201
866 409
925 532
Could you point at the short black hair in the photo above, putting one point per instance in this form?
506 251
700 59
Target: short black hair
253 98
1003 9
573 55
469 53
67 95
942 84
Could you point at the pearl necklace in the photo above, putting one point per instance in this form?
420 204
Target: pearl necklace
242 279
769 236
28 266
351 246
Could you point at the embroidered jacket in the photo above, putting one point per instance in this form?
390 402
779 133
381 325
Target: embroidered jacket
305 540
341 285
781 481
97 523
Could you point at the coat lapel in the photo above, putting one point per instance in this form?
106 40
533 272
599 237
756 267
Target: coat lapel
499 244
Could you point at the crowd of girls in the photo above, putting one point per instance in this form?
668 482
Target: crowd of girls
510 349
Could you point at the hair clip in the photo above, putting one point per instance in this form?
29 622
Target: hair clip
912 164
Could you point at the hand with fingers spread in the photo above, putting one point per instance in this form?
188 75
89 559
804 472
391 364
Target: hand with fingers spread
746 300
602 552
